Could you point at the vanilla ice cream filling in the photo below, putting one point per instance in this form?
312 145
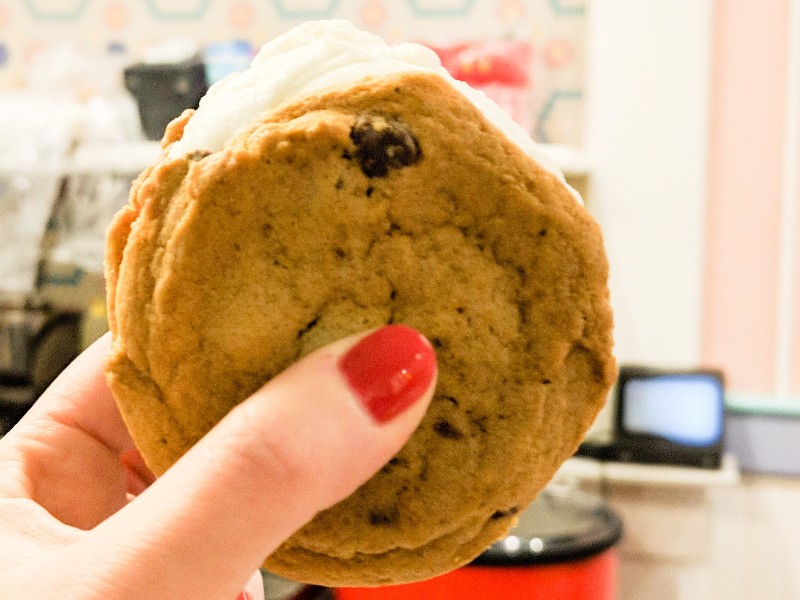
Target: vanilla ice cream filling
318 55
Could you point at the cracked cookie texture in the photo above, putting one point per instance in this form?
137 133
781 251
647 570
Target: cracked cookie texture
391 201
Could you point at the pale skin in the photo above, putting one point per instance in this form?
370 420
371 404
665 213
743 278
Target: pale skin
81 518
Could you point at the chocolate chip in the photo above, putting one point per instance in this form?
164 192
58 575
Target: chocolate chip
308 327
446 430
502 514
384 518
396 462
383 143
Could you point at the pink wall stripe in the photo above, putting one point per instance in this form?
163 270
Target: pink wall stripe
746 140
795 354
789 321
795 348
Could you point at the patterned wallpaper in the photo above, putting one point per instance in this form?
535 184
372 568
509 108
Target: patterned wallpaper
118 31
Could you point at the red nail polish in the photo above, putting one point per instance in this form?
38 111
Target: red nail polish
389 370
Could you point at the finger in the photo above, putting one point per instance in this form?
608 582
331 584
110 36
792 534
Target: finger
254 588
66 452
305 441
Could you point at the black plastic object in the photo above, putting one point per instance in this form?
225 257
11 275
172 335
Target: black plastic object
164 90
36 344
562 525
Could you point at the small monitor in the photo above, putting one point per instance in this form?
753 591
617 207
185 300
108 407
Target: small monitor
670 417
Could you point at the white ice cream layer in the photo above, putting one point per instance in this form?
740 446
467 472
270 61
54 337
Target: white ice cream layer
310 58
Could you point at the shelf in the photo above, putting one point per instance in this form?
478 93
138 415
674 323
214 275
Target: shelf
122 158
591 470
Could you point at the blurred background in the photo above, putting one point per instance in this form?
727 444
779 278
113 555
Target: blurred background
679 122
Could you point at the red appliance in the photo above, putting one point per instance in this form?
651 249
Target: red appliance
562 549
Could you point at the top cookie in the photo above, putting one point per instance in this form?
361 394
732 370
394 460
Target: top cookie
390 201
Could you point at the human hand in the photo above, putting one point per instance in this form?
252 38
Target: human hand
82 518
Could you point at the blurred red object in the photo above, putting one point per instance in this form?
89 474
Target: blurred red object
499 68
592 578
505 62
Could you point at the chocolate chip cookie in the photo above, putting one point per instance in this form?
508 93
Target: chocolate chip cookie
390 201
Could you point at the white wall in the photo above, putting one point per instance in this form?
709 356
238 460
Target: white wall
648 129
647 139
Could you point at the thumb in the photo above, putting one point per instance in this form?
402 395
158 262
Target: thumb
303 442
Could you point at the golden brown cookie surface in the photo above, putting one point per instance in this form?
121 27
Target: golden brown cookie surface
392 201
